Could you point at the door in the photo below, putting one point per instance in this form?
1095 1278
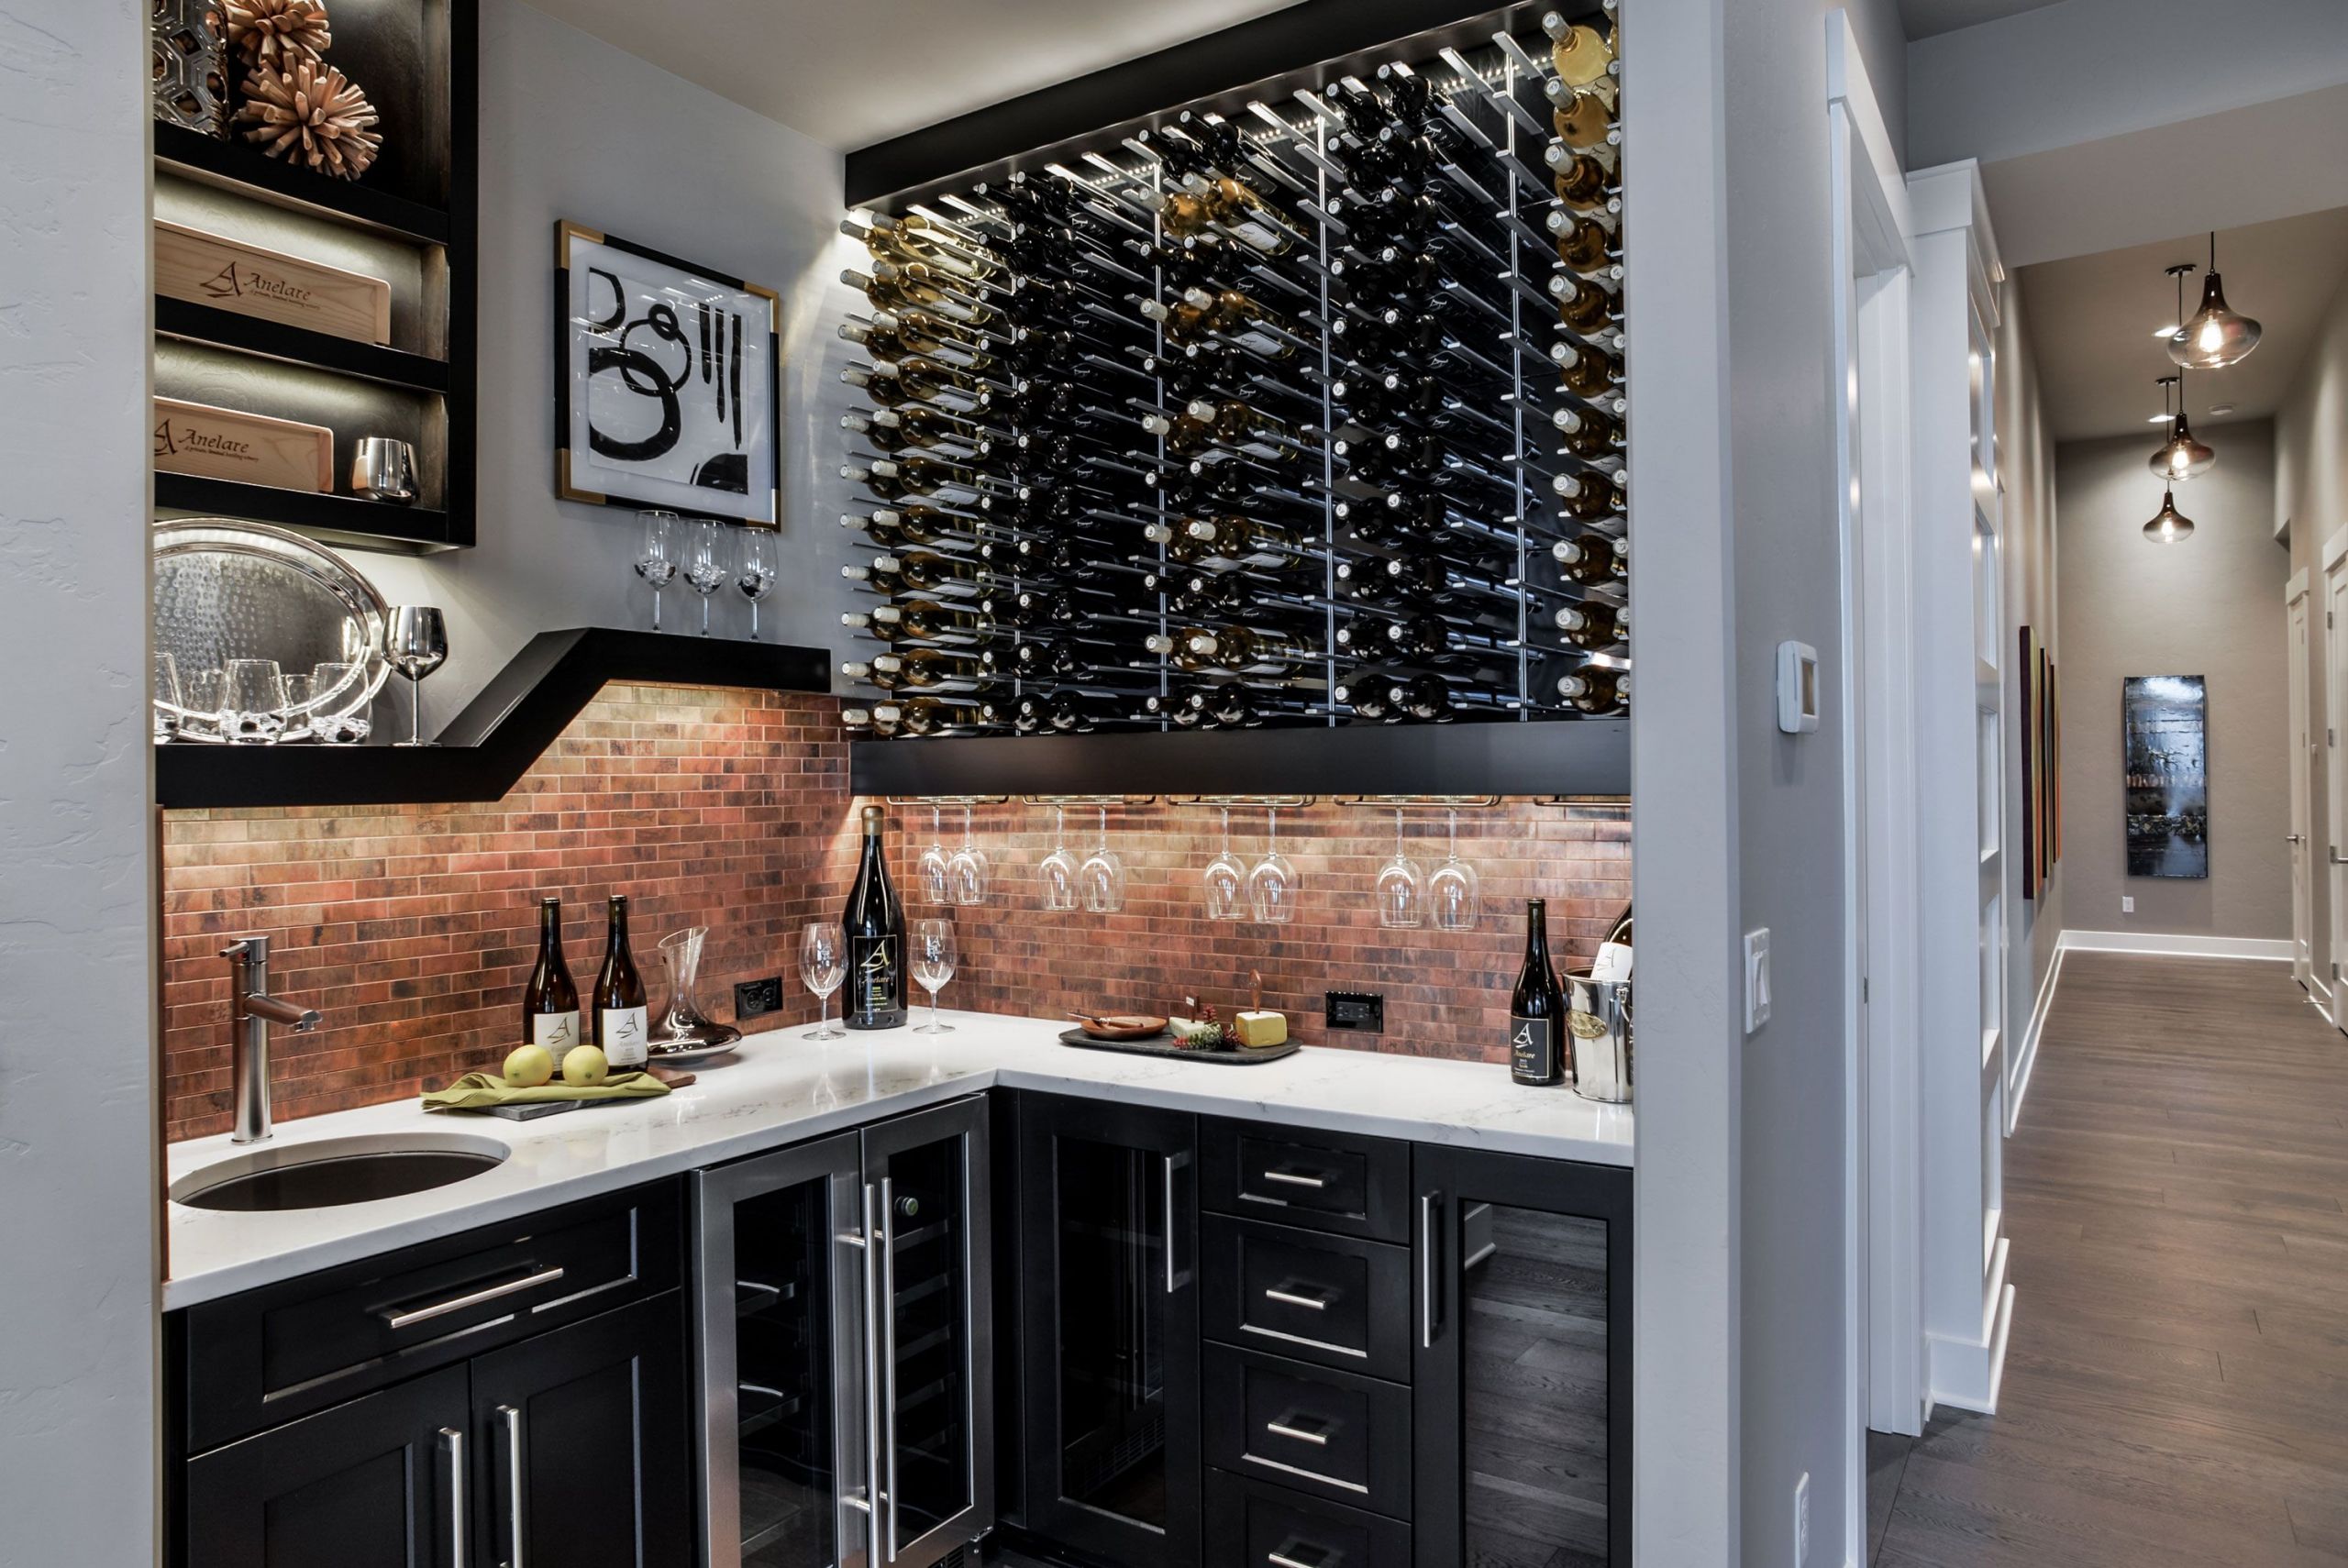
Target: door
786 1458
377 1483
926 1192
1110 1328
585 1440
2335 719
1522 1371
2301 766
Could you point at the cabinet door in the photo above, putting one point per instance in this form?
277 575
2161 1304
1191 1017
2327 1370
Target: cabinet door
1523 1364
1110 1326
586 1444
378 1483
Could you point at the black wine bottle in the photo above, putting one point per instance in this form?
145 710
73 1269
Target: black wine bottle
1537 1020
550 1003
622 1025
875 923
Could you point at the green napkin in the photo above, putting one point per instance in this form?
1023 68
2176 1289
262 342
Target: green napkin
479 1091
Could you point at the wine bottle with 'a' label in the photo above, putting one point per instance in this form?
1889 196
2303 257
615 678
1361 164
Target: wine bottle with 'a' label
1536 1021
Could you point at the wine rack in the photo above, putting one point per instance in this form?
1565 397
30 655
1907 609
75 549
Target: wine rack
1300 408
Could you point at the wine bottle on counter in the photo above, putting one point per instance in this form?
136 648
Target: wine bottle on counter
875 924
1537 1011
1613 962
622 1026
550 1001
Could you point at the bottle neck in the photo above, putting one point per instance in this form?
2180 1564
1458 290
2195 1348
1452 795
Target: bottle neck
618 924
1536 932
550 930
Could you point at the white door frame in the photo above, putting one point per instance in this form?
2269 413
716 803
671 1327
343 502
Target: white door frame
2298 645
2335 720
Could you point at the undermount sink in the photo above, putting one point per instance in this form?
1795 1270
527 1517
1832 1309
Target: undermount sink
334 1171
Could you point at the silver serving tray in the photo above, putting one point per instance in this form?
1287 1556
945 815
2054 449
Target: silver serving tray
227 590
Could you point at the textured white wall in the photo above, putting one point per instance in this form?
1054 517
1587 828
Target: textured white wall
2310 505
2026 456
77 1114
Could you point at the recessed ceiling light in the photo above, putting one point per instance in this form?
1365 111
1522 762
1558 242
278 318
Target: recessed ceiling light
2220 410
2158 419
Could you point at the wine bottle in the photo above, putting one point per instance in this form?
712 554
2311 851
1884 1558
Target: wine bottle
1613 961
550 1003
875 924
1593 624
1581 53
1592 559
1536 1010
1597 688
622 1024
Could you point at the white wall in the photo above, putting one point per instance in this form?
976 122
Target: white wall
2026 463
78 1125
2310 505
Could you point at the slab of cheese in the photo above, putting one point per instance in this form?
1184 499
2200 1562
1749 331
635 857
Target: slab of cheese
1261 1028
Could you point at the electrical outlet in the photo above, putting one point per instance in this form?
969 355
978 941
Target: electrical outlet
754 998
1802 1521
1364 1010
2127 905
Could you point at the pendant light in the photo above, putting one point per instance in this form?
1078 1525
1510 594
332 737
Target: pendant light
2168 524
2180 457
2217 336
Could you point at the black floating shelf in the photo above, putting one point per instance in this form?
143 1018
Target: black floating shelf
1562 757
193 323
245 167
335 519
484 751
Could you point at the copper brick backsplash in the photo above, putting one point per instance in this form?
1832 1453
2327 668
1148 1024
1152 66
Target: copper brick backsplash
412 928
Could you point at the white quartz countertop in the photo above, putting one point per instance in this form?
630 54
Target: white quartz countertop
783 1089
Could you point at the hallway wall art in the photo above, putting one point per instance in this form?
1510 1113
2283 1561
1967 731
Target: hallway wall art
2163 727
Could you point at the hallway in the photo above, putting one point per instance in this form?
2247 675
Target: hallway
2176 1385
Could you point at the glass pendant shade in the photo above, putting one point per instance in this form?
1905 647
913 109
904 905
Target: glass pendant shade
2181 457
2168 526
2217 336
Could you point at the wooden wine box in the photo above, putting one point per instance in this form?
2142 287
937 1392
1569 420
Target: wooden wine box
251 448
227 274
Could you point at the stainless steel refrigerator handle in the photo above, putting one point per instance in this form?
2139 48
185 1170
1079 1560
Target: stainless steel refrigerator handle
452 1443
471 1299
872 1374
1426 1269
1173 1283
513 1419
889 1353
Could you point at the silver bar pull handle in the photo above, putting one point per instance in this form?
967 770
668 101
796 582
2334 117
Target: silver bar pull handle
452 1443
1292 1179
470 1298
1293 1299
1281 1560
1176 1276
1282 1429
1429 1303
514 1543
870 1502
888 1358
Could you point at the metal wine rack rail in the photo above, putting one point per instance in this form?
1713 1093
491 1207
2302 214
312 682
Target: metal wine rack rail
1293 408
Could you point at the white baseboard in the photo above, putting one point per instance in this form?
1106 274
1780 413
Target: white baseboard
2276 949
2027 1055
2319 995
1967 1372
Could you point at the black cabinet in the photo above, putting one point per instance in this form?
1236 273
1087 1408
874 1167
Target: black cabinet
1109 1324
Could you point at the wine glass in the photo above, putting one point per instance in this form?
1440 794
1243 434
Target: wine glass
1272 885
1399 904
933 956
969 872
1056 874
656 555
705 566
417 642
936 885
168 699
1227 879
332 685
822 965
252 702
1454 889
759 570
1102 875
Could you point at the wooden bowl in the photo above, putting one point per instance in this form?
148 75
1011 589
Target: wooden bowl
1119 1026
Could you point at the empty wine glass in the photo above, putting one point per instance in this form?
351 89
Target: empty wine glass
933 965
168 698
656 555
969 873
417 644
1399 886
1057 875
705 566
1272 885
1226 880
252 702
1454 889
1102 875
822 965
937 885
337 686
759 570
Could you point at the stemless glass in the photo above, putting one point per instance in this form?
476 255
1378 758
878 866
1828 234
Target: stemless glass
1102 875
1226 880
333 685
252 702
1057 875
656 555
1272 885
168 698
937 884
297 708
822 965
706 565
1399 888
759 570
1454 888
969 873
933 965
417 642
203 720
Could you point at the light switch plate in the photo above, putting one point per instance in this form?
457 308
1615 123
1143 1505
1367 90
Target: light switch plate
1799 701
1756 978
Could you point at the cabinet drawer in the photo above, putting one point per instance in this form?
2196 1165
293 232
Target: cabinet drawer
285 1350
1251 1525
1328 1299
1338 1436
1329 1181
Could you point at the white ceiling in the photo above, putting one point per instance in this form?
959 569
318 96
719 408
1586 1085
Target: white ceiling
1924 19
2091 318
851 74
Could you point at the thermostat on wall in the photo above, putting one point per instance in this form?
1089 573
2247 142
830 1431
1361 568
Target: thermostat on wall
1796 688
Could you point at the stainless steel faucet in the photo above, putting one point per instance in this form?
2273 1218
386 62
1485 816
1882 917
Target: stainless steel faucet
251 1009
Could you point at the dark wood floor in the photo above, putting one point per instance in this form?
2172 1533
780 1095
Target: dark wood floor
2175 1390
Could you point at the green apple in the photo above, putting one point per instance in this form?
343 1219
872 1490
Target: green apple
528 1066
584 1068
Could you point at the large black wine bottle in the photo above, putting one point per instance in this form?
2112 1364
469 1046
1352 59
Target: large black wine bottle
875 924
1536 1021
623 1025
550 1003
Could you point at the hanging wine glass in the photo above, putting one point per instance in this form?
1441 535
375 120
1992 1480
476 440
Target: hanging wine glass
757 571
937 881
656 555
968 874
1056 876
1272 885
1226 880
705 564
1102 875
1400 899
1454 888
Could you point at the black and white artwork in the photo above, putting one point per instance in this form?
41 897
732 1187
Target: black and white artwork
668 380
2164 730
